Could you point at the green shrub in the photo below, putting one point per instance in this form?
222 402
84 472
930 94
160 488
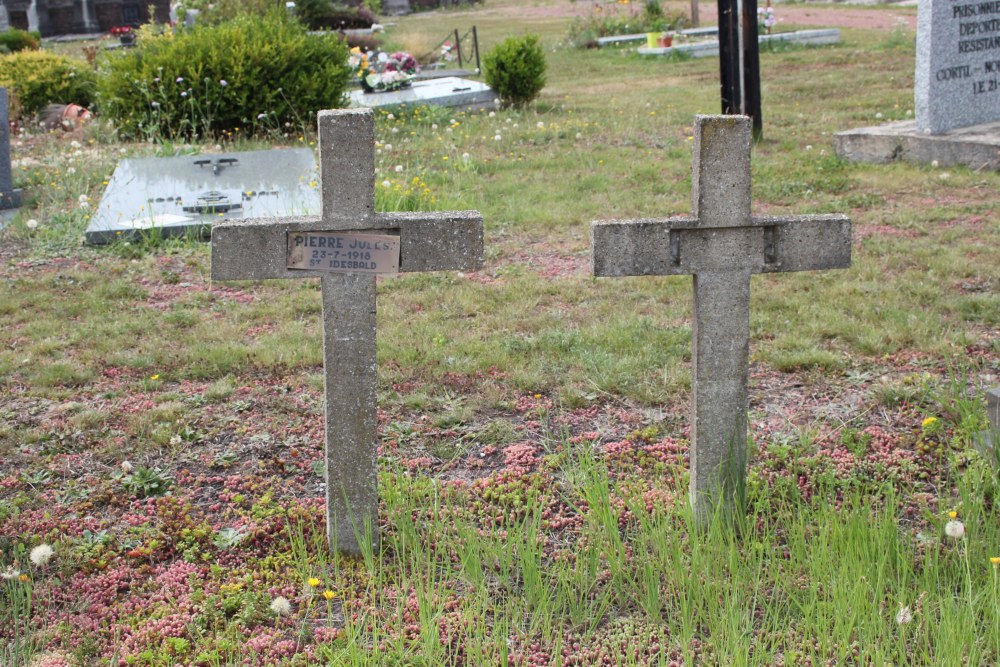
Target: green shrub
38 78
20 40
515 69
249 74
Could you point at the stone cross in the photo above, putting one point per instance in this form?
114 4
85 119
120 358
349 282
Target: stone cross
255 249
9 197
721 244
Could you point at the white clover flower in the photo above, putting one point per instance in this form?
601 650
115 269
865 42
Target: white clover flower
388 148
261 116
493 114
465 156
395 130
399 169
31 224
154 104
904 615
954 529
184 93
434 126
497 137
82 198
386 184
179 79
223 83
74 144
281 606
41 554
390 117
878 115
539 125
579 135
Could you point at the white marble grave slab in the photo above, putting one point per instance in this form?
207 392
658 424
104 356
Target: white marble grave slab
185 195
449 91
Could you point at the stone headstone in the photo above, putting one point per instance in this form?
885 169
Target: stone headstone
395 7
186 195
272 248
957 81
449 91
721 244
9 197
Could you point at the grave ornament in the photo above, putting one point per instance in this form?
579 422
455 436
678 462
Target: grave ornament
346 247
722 245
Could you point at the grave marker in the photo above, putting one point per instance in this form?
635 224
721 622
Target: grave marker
986 441
957 82
261 249
721 244
9 197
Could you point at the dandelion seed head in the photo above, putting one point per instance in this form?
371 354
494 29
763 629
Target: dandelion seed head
41 554
281 606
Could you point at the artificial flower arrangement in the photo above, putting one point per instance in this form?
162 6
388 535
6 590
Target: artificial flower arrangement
765 19
380 72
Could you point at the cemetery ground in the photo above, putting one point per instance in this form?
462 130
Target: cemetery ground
164 433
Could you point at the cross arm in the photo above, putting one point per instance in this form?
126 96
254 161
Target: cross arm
254 249
679 246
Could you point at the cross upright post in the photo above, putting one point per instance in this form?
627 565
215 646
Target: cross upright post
721 245
344 248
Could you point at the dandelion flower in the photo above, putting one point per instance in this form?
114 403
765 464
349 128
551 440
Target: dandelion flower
399 169
180 79
953 514
41 554
388 148
223 83
904 615
281 606
10 573
465 156
540 125
954 529
497 137
328 594
261 116
996 561
386 184
31 224
493 114
390 117
313 582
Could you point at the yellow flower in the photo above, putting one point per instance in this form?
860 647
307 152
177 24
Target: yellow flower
953 515
313 581
930 421
24 578
154 377
996 561
329 595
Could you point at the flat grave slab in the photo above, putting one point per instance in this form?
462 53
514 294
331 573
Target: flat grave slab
821 37
185 195
447 91
976 147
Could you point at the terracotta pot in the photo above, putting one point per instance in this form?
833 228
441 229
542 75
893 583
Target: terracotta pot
666 41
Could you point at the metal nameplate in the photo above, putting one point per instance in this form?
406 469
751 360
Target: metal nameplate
343 252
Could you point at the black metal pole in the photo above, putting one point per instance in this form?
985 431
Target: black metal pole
729 56
458 48
751 68
475 48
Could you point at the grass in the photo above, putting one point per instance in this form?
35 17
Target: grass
534 420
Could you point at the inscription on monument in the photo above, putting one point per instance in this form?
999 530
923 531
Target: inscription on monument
958 64
340 252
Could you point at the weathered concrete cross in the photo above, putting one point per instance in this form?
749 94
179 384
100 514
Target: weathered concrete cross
258 249
721 245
